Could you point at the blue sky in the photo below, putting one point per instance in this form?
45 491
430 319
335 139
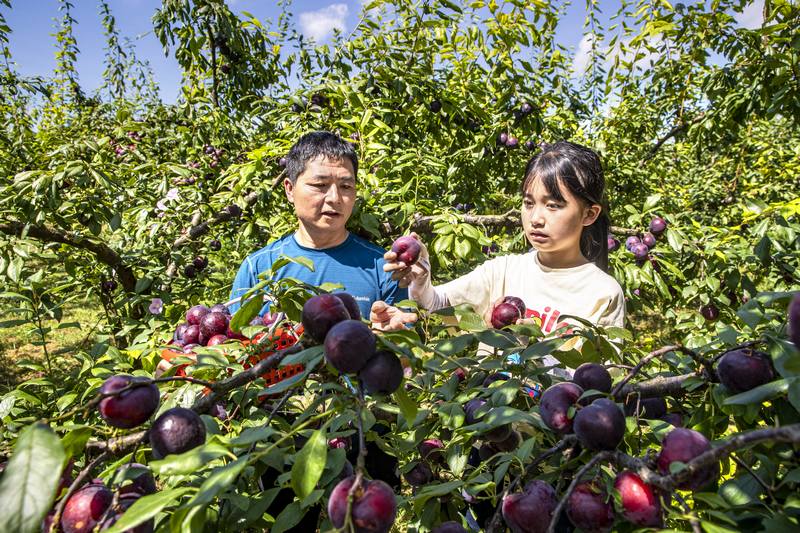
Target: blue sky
34 21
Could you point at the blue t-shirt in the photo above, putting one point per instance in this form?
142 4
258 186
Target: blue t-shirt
357 264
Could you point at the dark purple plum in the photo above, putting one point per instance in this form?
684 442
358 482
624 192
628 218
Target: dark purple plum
491 378
139 480
600 425
449 527
631 241
649 240
321 313
131 407
125 501
382 373
793 320
526 108
191 335
220 308
407 249
509 444
512 142
648 408
502 138
555 404
613 244
657 225
498 434
710 312
683 444
200 263
504 314
179 332
420 475
592 376
190 271
217 339
215 245
514 300
431 449
374 507
640 251
349 345
177 430
85 508
588 508
470 410
350 304
214 323
435 106
531 510
744 369
196 313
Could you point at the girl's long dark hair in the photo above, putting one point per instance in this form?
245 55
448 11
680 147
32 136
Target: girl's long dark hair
578 168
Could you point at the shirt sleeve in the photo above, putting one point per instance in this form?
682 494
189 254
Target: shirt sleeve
391 292
245 279
615 312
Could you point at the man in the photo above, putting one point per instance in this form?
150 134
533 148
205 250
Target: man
321 173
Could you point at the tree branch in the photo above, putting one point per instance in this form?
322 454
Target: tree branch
102 251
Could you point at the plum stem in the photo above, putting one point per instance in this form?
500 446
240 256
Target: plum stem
83 474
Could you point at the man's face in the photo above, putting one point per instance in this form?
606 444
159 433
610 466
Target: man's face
324 195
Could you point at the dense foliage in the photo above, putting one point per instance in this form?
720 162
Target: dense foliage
114 198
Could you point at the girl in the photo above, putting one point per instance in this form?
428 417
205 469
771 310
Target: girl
564 274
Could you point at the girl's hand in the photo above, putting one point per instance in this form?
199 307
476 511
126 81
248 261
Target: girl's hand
406 275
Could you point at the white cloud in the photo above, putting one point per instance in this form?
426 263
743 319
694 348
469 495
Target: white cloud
752 16
581 59
319 25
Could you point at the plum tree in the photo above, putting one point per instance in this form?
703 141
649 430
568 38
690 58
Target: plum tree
175 431
133 406
350 344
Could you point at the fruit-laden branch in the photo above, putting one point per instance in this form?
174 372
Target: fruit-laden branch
508 220
635 370
602 456
657 387
204 403
82 475
49 234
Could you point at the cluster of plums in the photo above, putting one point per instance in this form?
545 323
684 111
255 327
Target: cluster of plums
350 345
197 265
128 402
640 246
204 326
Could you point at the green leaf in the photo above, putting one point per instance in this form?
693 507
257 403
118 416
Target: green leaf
497 339
219 480
407 406
147 507
455 345
759 394
289 517
433 491
309 464
246 313
190 461
29 483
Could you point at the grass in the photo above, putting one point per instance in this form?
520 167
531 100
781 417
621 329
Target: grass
23 342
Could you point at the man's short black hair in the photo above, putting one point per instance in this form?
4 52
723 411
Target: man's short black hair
315 144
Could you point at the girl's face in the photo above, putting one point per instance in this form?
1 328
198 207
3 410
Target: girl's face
554 227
